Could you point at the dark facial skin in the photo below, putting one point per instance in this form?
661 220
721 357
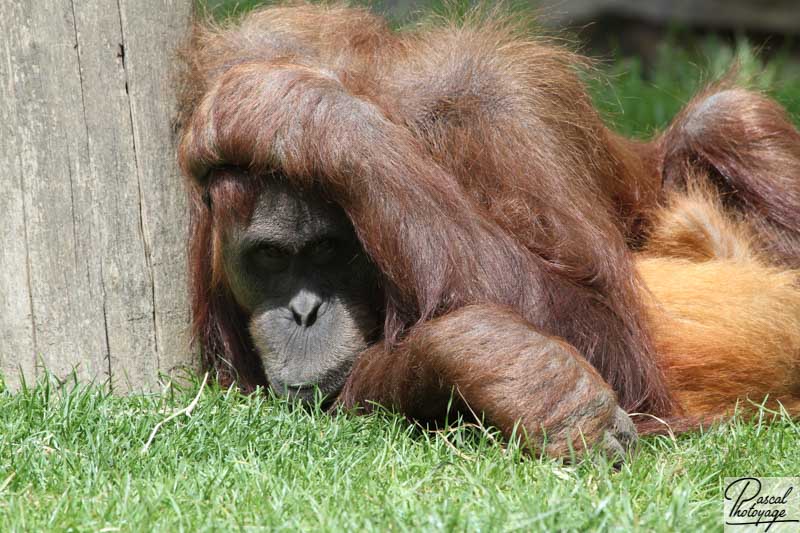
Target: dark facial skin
312 294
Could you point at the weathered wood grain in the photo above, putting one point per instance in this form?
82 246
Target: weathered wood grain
93 214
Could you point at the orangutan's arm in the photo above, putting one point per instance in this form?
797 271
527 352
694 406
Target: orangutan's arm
503 369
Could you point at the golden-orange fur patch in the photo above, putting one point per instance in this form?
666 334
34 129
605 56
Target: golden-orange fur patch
725 321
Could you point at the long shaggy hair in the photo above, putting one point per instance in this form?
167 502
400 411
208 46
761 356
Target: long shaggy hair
474 168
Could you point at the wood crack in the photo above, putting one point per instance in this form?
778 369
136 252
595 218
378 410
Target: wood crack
80 80
142 223
105 329
72 216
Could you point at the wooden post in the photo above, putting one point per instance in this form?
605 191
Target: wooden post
92 209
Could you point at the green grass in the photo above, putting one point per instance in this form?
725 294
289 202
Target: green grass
71 459
638 103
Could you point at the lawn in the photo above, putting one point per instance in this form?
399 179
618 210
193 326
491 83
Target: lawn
72 458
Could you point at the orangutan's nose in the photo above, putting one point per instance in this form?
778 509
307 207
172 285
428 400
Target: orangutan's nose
305 307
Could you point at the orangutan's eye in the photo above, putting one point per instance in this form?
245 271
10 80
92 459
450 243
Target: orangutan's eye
324 252
270 258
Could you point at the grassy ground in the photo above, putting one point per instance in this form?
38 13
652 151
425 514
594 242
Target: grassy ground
71 457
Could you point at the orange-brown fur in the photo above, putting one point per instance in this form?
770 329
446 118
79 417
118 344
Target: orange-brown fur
725 322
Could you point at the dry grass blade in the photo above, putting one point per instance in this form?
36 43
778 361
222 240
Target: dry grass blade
185 411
